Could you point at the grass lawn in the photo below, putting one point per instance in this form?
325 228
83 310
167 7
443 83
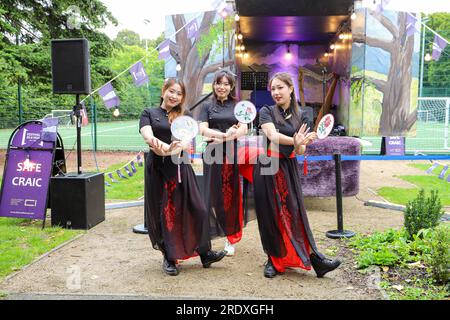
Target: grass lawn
131 188
23 240
427 182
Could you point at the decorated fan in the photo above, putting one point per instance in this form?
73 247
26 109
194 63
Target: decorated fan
184 128
325 126
245 111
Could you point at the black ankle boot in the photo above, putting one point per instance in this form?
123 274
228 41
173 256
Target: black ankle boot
323 265
170 267
211 257
269 270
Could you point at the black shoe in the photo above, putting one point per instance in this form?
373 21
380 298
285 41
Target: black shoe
323 266
170 268
211 257
269 270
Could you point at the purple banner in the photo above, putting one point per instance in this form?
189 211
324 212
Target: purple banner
395 146
192 29
439 45
109 96
27 175
164 50
138 73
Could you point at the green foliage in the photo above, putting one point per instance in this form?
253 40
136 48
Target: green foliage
436 72
439 258
128 37
213 41
422 213
420 264
22 241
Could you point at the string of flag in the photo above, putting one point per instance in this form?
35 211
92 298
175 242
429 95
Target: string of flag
130 169
439 43
443 172
137 71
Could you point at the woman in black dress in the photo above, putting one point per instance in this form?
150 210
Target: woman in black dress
176 215
283 224
223 192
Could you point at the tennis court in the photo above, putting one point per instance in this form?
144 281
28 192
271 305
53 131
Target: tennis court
124 136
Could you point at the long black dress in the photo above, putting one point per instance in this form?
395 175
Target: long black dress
177 218
223 194
283 224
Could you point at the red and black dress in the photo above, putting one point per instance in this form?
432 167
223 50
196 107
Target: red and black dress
177 218
283 224
223 192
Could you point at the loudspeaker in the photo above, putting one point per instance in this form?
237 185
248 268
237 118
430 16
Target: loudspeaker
78 200
70 66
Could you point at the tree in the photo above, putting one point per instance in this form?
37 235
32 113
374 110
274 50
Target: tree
194 59
128 37
396 118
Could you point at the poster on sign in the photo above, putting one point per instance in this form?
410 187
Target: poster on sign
27 172
395 146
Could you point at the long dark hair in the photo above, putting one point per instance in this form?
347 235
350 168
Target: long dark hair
179 109
293 107
229 76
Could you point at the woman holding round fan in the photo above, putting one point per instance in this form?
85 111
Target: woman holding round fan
176 216
282 220
223 192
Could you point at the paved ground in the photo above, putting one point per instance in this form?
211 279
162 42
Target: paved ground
111 262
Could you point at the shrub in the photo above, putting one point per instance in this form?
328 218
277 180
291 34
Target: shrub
440 254
422 213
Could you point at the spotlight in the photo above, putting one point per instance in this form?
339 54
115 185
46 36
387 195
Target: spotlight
341 36
237 18
178 67
240 36
242 47
245 55
428 57
332 46
116 112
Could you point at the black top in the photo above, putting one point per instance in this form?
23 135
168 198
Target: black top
219 116
288 128
158 119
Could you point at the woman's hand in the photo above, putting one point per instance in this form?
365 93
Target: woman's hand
231 133
218 138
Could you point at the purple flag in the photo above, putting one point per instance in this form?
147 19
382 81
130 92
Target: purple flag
411 22
192 29
164 50
49 129
108 184
138 73
109 96
130 174
139 159
381 4
119 173
133 168
111 177
443 172
434 166
438 46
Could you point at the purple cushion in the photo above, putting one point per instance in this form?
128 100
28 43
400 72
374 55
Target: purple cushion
320 180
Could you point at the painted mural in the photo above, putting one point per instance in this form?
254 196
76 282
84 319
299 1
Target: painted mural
201 54
384 79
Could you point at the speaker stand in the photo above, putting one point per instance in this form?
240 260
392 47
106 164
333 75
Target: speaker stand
77 112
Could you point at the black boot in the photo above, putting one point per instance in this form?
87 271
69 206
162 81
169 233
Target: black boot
323 265
211 257
170 267
269 270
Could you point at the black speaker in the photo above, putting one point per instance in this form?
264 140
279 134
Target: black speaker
70 66
78 200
